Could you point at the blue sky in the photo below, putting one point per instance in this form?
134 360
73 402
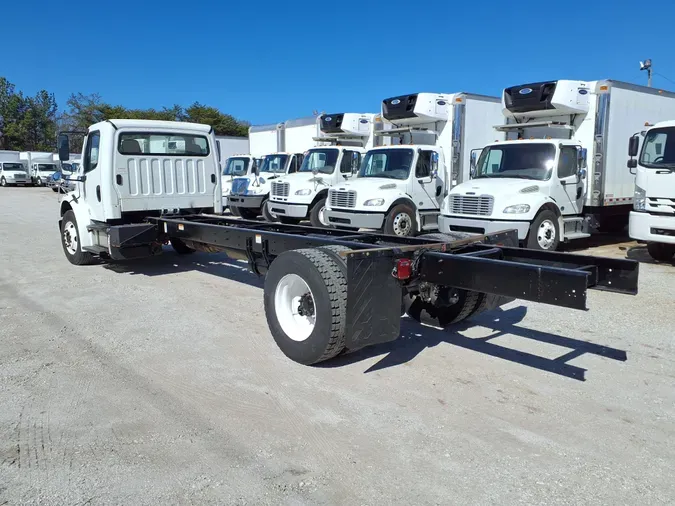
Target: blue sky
270 61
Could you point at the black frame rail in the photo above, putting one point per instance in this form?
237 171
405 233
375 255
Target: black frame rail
491 264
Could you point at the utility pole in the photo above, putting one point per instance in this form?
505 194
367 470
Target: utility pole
647 65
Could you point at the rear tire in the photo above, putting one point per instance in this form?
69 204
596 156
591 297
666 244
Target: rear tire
306 304
317 216
544 232
70 240
442 317
400 221
180 247
661 252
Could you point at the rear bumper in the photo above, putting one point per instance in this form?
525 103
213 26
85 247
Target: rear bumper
290 210
475 226
355 220
651 228
251 201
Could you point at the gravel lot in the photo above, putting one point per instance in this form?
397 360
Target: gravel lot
158 383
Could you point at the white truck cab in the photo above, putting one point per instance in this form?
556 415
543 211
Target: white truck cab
342 141
400 188
13 173
249 195
652 219
133 170
237 166
538 181
41 166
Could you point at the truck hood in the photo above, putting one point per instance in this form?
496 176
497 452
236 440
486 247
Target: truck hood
372 184
499 186
12 172
657 183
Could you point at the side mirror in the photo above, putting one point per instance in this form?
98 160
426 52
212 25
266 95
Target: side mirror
434 164
582 174
633 146
256 169
581 158
355 162
56 176
632 165
64 147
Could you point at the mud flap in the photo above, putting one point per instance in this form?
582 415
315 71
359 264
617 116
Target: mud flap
373 300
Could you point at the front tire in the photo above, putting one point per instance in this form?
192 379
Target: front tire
289 221
248 214
267 215
3 182
38 182
317 216
544 232
661 252
306 304
70 240
400 221
234 211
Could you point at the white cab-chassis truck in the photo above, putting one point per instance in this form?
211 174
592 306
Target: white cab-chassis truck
400 188
561 175
343 139
237 166
652 219
326 291
12 171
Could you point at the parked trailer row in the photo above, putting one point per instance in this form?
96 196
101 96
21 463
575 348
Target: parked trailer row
326 291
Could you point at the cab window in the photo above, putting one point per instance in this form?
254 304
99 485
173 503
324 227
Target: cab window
567 166
91 153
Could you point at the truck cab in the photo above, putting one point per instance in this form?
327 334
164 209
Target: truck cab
13 173
133 170
342 142
652 219
42 172
237 166
249 195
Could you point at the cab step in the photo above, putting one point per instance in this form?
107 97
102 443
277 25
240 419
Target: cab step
576 235
98 227
97 250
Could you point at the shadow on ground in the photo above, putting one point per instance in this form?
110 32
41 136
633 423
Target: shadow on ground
416 338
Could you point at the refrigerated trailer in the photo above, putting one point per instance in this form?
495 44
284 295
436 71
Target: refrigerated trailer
561 175
326 291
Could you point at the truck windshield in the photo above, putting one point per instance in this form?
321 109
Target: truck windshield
236 166
47 167
387 163
524 161
658 149
13 166
274 163
321 160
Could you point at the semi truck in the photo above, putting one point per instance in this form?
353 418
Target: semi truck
400 188
12 171
250 194
342 141
326 291
652 219
561 174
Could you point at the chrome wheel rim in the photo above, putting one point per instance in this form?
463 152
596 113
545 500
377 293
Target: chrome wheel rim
402 224
70 239
546 235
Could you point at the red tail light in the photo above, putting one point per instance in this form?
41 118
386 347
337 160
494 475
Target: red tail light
403 268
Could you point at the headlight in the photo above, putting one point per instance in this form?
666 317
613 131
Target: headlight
639 199
374 202
517 209
306 191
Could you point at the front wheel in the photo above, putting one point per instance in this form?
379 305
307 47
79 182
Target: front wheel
661 252
286 220
234 211
70 240
39 181
3 182
400 221
180 247
267 215
248 214
544 232
317 216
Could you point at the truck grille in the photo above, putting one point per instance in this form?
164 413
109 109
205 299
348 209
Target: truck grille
660 205
280 189
477 206
239 186
342 198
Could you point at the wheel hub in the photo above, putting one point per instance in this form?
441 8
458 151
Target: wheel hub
402 224
546 234
306 305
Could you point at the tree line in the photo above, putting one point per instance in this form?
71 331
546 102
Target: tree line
31 123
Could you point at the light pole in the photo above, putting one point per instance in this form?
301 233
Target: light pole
647 65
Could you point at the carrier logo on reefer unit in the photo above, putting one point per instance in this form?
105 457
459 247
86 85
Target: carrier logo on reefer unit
396 101
328 118
525 91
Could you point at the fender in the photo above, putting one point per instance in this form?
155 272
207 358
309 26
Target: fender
82 217
406 199
321 195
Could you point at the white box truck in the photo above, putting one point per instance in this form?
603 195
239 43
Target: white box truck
12 171
537 181
652 219
401 187
342 141
229 145
40 165
249 195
